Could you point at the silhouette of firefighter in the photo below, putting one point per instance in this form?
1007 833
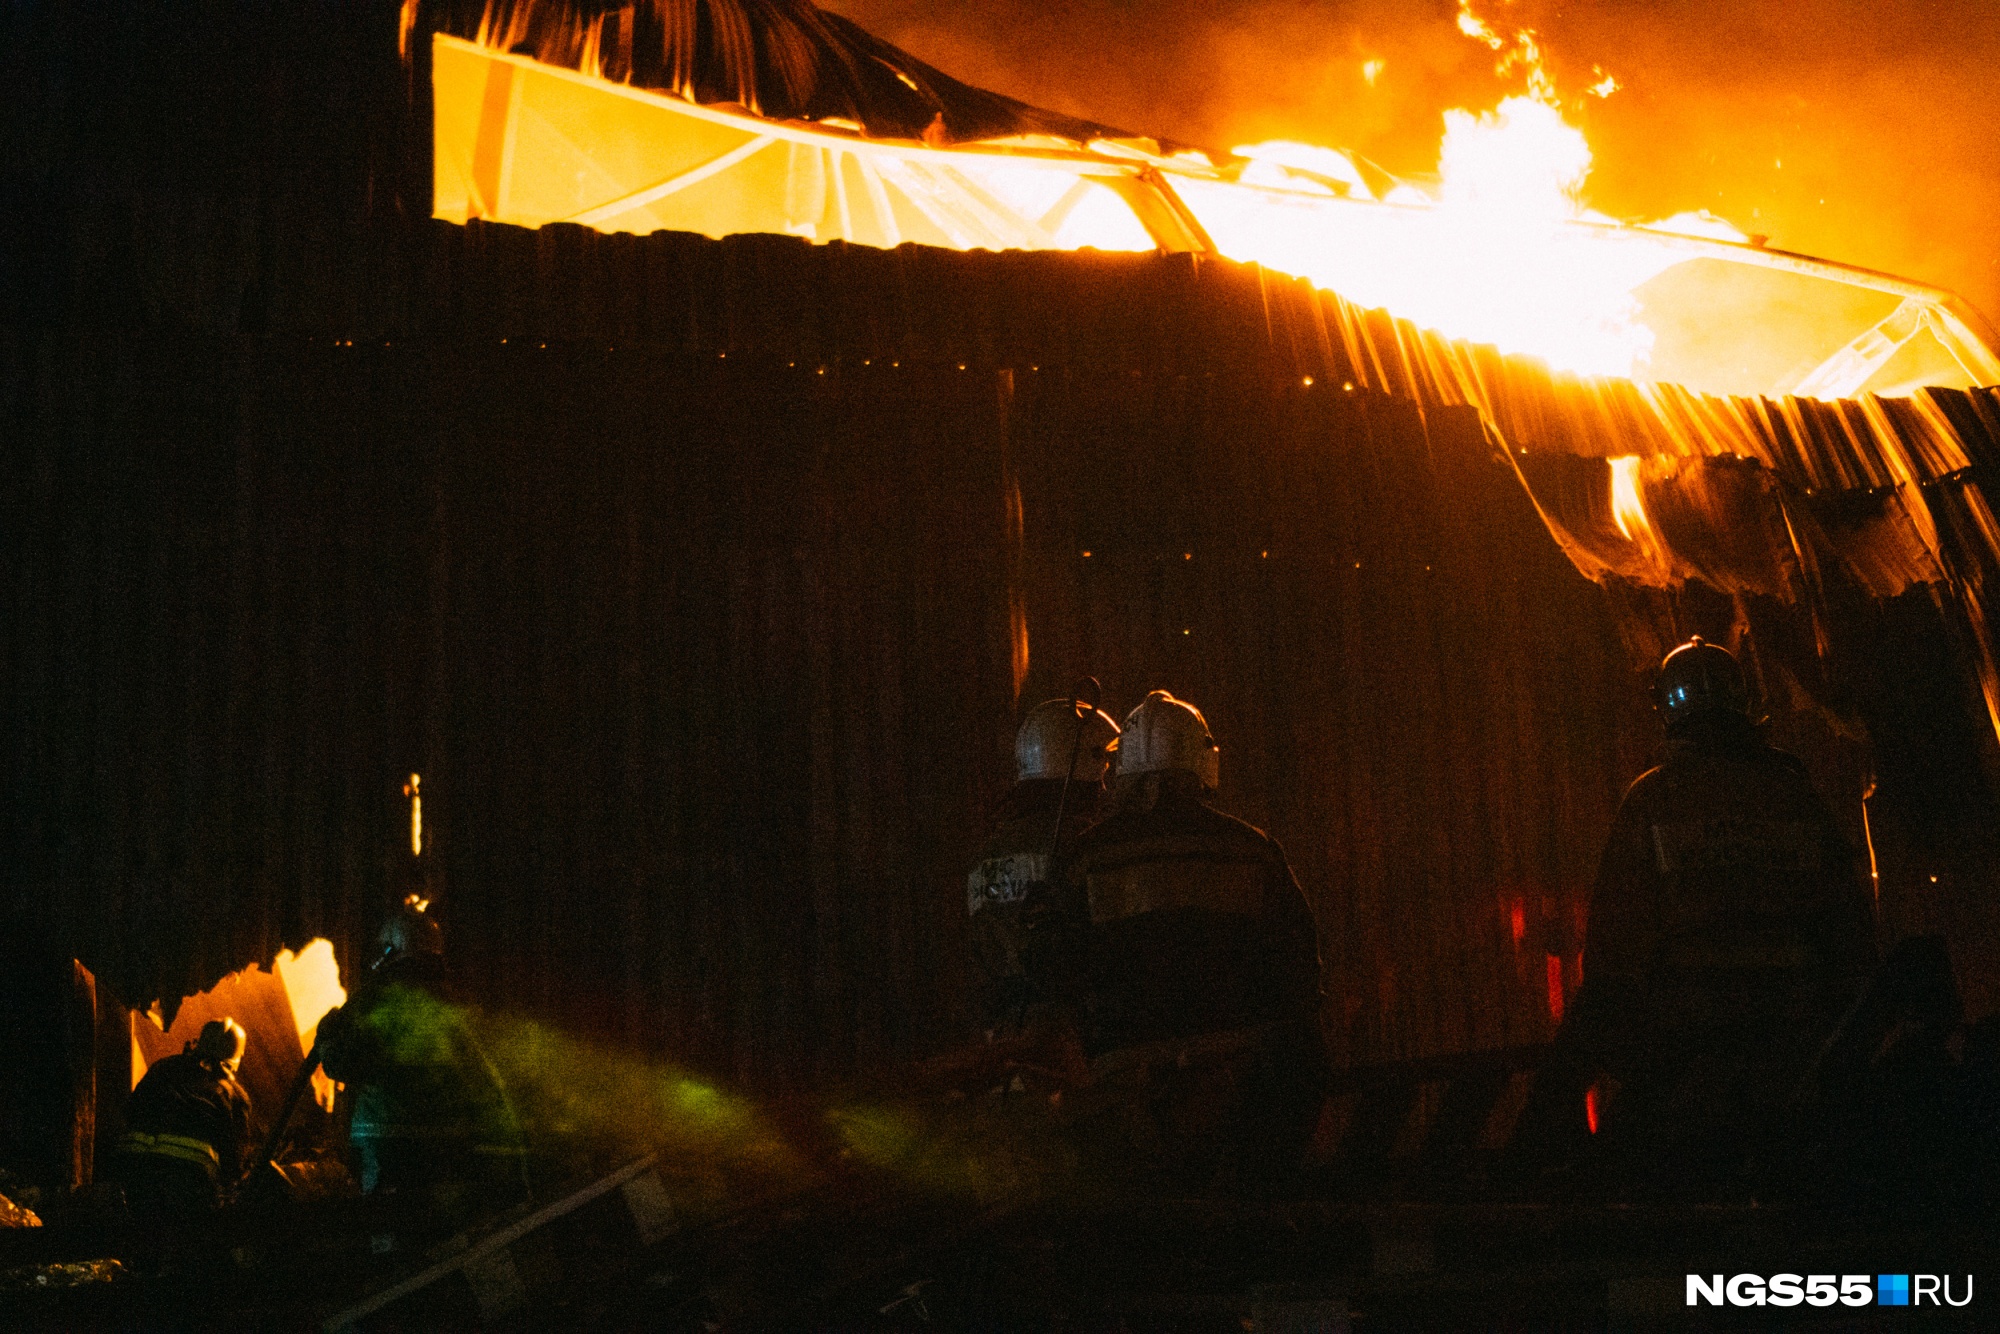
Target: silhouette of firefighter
1061 756
1197 985
431 1122
186 1127
1729 930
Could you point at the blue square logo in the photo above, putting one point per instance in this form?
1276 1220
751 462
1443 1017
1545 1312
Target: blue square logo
1892 1289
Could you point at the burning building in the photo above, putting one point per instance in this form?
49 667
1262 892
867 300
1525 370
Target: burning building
689 446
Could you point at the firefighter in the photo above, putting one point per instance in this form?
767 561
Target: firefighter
430 1120
1200 997
1729 929
186 1126
1061 756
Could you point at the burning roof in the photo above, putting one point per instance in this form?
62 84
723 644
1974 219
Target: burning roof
719 117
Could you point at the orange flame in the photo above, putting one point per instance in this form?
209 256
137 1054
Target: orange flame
414 791
1495 256
1628 513
1522 51
406 23
1628 509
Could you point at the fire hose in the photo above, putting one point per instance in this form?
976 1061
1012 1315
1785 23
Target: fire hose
266 1161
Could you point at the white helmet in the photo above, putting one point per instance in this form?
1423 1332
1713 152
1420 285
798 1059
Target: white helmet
1167 733
1058 730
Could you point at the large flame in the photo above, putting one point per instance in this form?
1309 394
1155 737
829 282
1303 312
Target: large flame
1496 255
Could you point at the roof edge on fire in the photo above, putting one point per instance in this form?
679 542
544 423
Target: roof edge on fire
780 59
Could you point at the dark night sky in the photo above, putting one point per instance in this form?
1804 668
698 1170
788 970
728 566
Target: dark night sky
1861 130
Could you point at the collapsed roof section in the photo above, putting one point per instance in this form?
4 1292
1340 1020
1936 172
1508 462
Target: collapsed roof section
780 59
523 142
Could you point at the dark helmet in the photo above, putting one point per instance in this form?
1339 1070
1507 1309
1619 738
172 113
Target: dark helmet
1701 680
221 1043
409 931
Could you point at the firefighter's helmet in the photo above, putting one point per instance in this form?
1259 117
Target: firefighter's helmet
1062 734
221 1043
1167 733
1701 680
409 931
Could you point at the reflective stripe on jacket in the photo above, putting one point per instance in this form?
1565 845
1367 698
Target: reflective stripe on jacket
1190 922
185 1148
361 1129
199 1112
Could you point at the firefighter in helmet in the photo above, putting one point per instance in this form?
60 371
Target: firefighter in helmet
1061 756
1200 994
1729 929
430 1119
186 1127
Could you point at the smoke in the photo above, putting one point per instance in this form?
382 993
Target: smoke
583 1107
1859 131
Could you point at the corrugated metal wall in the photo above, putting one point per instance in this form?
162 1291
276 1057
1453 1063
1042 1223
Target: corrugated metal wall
214 659
705 656
693 657
722 659
1411 686
682 570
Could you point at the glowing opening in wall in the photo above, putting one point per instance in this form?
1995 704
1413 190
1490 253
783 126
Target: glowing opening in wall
280 1010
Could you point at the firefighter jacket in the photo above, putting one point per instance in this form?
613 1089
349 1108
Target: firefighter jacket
419 1076
1726 899
1011 865
187 1115
1190 924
